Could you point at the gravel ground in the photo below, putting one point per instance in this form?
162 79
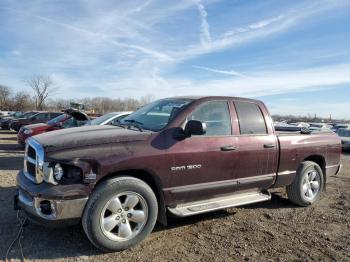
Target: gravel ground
274 230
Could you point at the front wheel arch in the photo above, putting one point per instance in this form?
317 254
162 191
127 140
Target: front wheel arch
107 190
151 180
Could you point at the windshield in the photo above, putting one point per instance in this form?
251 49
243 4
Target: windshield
101 119
57 119
344 132
158 114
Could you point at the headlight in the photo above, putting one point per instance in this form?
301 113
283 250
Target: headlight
58 172
27 131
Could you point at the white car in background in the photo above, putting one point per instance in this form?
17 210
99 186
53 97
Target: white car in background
345 138
109 118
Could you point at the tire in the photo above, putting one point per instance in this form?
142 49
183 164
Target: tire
103 211
309 177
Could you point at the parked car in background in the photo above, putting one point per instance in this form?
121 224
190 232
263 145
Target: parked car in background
345 138
6 113
336 127
109 118
70 118
284 127
319 126
300 124
5 122
41 117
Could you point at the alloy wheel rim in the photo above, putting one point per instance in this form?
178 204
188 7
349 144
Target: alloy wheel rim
124 216
311 185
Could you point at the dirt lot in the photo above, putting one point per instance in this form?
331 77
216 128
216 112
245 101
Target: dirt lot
275 230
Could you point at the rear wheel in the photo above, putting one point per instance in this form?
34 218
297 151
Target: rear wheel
307 185
120 213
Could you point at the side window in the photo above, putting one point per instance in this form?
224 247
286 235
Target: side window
250 118
41 116
216 116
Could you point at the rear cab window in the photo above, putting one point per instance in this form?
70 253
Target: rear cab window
250 118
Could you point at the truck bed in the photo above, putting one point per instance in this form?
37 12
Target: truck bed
294 148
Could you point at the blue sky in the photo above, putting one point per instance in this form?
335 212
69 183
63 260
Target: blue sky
294 55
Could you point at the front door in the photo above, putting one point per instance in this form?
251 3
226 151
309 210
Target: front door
203 166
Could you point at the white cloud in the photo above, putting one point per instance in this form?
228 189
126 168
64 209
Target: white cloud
257 30
257 84
225 72
264 83
205 28
266 22
16 52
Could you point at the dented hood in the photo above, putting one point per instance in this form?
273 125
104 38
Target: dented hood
88 136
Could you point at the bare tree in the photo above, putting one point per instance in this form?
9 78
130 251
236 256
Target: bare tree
147 99
58 103
43 86
5 94
22 101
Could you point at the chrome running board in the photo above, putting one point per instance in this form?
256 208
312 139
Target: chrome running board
198 207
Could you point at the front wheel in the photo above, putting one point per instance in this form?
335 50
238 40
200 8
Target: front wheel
120 213
307 185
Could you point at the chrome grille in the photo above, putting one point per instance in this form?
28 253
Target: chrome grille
33 161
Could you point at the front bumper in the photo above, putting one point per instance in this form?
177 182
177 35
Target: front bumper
46 203
15 127
5 125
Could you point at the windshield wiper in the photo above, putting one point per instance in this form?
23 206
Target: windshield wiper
135 123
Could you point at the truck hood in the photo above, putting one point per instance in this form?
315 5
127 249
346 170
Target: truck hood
88 136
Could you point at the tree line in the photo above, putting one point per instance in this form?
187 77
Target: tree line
41 97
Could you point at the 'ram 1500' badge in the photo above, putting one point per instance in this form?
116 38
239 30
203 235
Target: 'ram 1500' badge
183 168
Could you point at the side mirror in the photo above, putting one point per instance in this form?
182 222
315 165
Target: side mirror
195 127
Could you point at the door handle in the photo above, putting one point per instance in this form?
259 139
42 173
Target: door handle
269 146
228 148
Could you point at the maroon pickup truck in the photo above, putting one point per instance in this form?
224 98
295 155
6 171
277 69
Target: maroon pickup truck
180 156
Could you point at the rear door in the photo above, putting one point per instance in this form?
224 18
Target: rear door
203 166
257 147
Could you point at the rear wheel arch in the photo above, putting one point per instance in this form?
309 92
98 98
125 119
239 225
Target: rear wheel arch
151 180
309 178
